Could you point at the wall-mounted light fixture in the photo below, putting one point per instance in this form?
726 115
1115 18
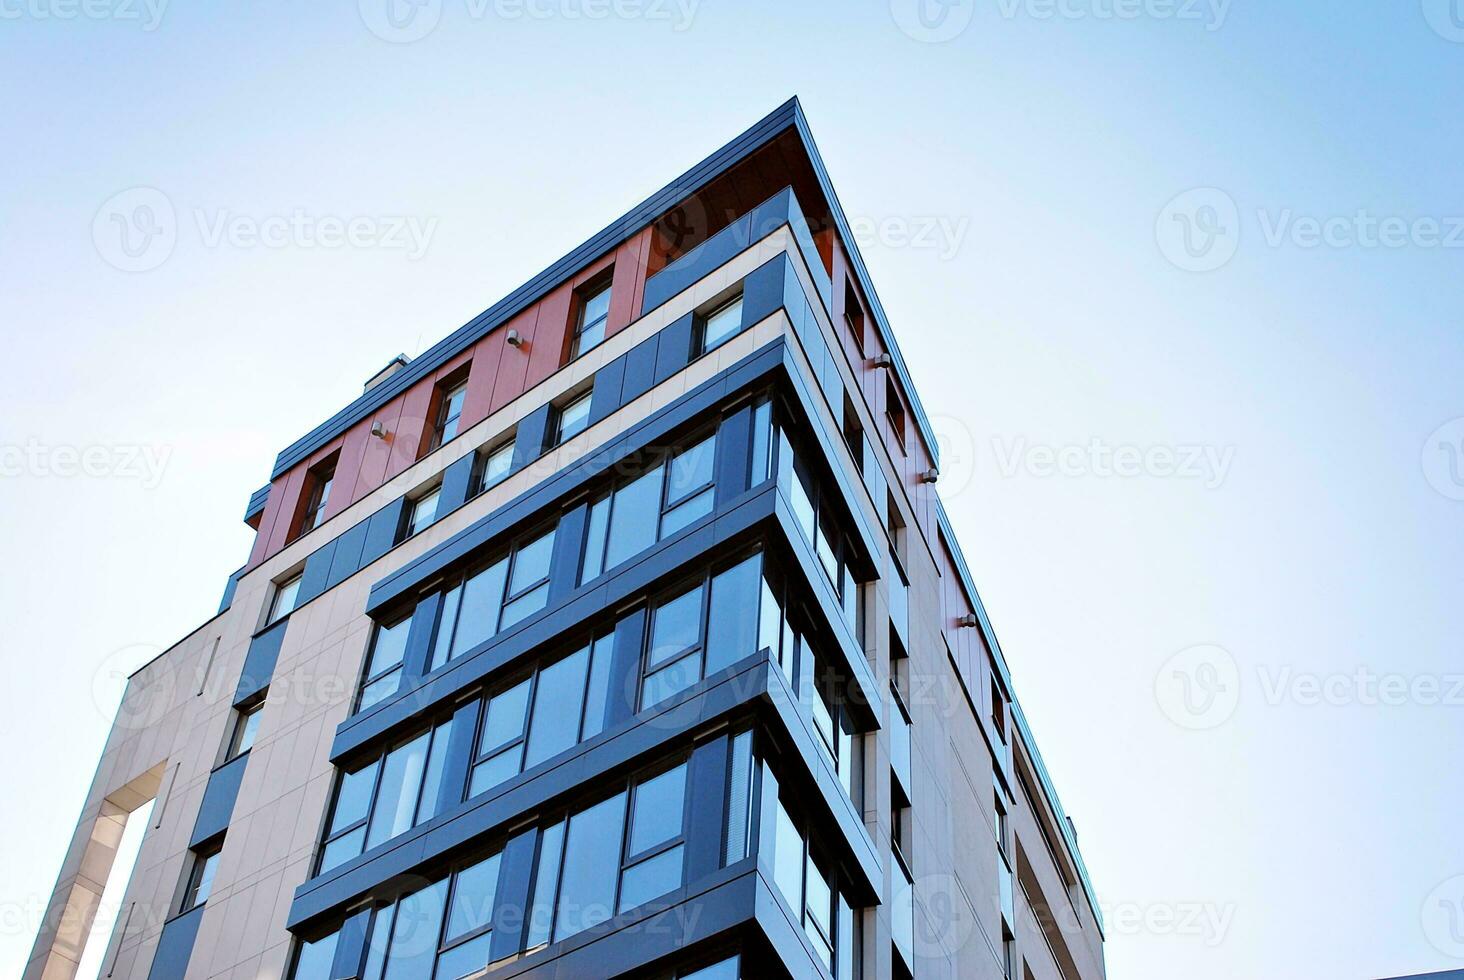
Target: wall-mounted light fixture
514 339
967 621
882 361
378 430
930 475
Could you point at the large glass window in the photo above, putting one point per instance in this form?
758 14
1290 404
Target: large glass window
449 414
314 960
493 598
822 530
543 715
384 666
672 494
610 857
387 797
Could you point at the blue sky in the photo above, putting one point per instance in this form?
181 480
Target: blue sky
1203 482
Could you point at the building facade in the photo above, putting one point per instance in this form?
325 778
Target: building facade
620 634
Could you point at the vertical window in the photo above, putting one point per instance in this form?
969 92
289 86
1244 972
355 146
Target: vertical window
732 630
854 317
818 916
384 666
739 801
493 466
283 603
655 843
201 877
762 441
673 659
246 726
314 960
468 933
493 598
592 846
594 312
998 711
571 419
895 413
853 434
317 495
346 832
528 581
450 397
421 512
688 486
719 326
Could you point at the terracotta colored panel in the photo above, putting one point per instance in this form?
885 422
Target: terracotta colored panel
289 500
514 367
406 438
348 470
546 347
378 451
487 356
624 289
260 551
642 251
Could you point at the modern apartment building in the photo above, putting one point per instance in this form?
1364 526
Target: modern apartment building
620 634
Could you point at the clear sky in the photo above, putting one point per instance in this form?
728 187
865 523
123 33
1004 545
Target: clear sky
1193 439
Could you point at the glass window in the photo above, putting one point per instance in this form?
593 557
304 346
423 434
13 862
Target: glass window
494 466
739 800
384 668
818 920
413 944
788 858
673 662
346 832
449 414
572 419
762 432
422 511
200 878
246 726
546 885
689 486
597 690
725 970
633 518
406 793
558 701
598 526
314 960
733 628
591 867
721 325
482 599
594 312
528 585
318 495
473 892
656 815
283 602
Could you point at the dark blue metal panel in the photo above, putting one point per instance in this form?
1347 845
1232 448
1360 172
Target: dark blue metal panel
258 500
605 398
218 801
233 583
420 634
456 480
762 289
625 668
531 437
350 954
511 902
175 946
696 264
640 369
733 439
381 534
674 351
347 560
460 746
317 572
259 662
569 540
706 791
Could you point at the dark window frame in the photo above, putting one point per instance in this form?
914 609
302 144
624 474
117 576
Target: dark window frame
479 480
244 717
445 414
557 435
319 480
700 345
201 874
601 283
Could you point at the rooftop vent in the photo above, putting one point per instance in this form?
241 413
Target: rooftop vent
392 367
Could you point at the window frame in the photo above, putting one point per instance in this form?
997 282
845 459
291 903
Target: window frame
201 874
558 435
319 480
630 861
398 667
291 586
410 512
701 339
445 415
601 284
480 465
896 414
244 718
458 582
